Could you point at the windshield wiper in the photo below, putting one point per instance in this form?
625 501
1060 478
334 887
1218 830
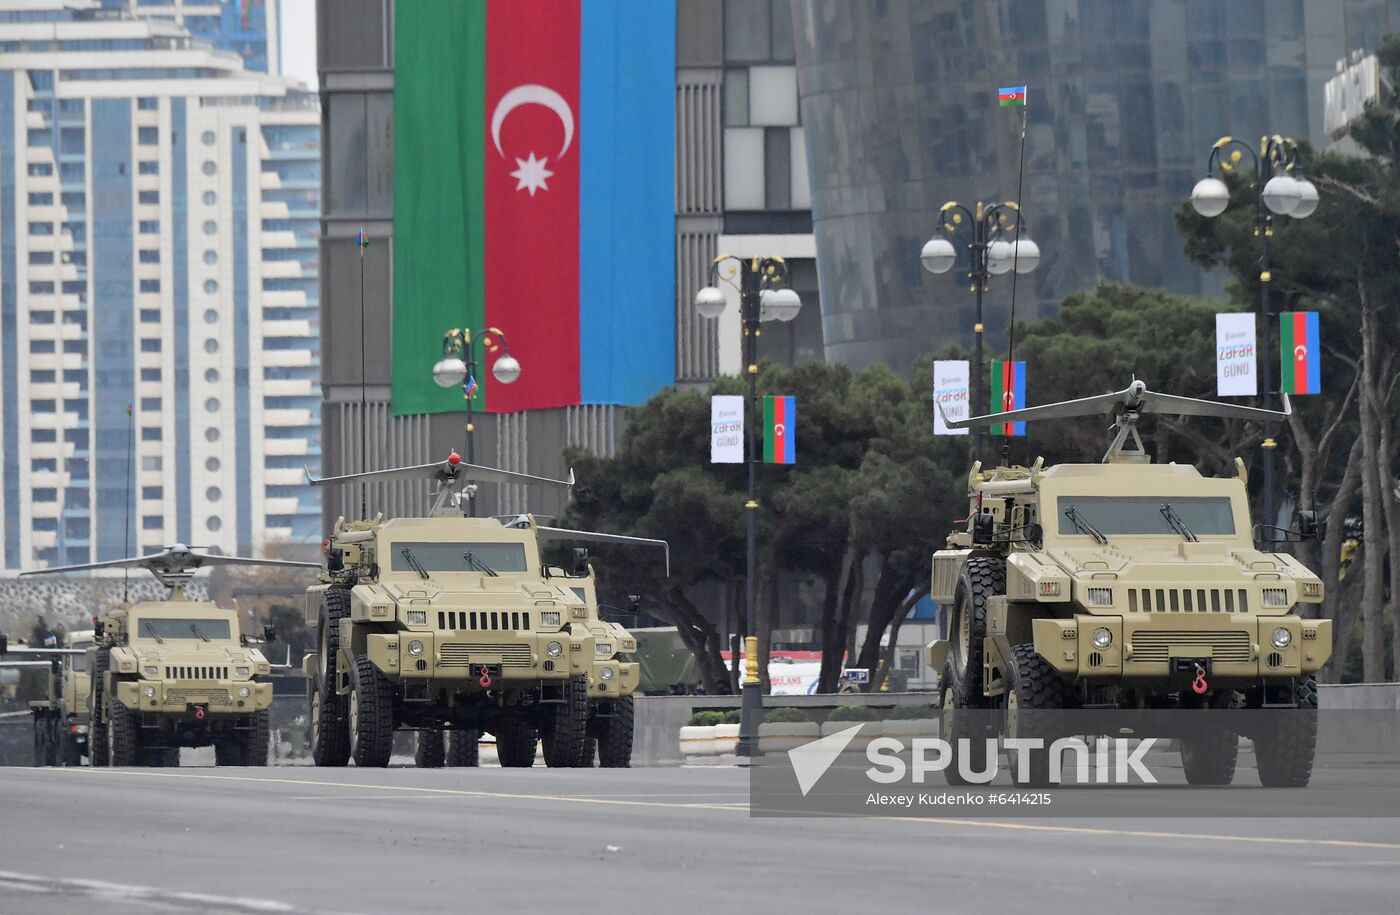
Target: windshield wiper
194 627
477 564
1177 524
151 631
1083 526
413 561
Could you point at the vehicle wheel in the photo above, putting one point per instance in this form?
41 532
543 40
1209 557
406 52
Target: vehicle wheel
515 742
371 716
72 756
1284 752
566 726
1209 754
123 738
614 737
335 606
979 579
330 729
464 749
99 753
430 753
44 751
257 741
954 728
1033 686
231 751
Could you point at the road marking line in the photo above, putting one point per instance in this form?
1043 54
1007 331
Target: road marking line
123 892
1100 831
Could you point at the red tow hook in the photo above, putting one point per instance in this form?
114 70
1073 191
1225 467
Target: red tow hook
1199 685
199 713
485 679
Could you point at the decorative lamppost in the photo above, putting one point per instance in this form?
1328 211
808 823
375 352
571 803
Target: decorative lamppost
1279 190
999 243
458 366
762 284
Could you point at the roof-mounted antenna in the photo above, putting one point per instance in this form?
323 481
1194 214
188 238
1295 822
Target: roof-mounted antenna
362 242
130 489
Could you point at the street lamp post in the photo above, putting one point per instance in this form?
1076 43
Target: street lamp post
763 296
992 253
458 366
1277 192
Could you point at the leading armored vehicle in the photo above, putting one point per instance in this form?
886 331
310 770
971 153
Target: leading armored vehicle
1128 585
175 673
452 624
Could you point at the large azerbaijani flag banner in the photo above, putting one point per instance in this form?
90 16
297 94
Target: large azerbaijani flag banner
1300 353
534 162
1008 393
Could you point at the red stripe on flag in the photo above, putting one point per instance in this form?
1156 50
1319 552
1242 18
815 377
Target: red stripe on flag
1300 353
1008 394
779 430
531 240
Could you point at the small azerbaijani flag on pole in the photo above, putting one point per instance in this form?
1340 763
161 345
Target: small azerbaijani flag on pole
1008 393
128 408
362 240
1300 353
779 430
469 388
1011 95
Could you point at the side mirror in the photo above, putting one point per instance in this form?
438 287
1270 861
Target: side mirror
634 603
335 560
269 634
983 526
580 562
1033 533
1306 524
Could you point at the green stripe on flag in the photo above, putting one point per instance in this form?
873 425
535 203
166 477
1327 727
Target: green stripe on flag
1286 380
439 145
768 443
998 392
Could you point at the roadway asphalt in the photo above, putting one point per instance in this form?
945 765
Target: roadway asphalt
642 840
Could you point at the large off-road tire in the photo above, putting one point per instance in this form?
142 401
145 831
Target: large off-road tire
123 735
72 756
564 729
330 728
954 727
614 736
980 579
257 743
430 752
98 751
335 606
1284 753
160 757
515 742
1210 754
371 716
1032 686
464 750
45 747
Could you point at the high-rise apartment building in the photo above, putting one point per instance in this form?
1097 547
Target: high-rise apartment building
159 209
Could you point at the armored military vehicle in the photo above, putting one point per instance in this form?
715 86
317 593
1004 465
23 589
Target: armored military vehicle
1131 585
175 673
60 714
454 624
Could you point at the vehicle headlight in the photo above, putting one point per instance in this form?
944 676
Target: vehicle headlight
149 691
550 618
243 671
149 670
602 649
244 692
415 648
1102 638
554 649
418 617
606 673
1282 638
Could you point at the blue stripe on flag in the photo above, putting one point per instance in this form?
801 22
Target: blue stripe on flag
1314 355
1019 428
627 154
790 433
1012 90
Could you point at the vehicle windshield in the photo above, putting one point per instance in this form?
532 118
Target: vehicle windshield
457 557
1143 515
78 662
160 628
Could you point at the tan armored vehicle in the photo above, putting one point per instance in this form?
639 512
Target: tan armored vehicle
452 624
1128 585
175 673
60 715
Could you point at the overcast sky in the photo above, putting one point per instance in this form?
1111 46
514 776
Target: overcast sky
299 40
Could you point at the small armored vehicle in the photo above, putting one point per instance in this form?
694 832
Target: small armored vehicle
60 715
175 673
451 626
1128 585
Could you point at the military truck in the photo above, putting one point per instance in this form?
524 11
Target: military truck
451 626
175 673
59 715
1129 585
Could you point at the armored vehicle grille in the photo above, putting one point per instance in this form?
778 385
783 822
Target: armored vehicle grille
489 620
196 673
463 654
1232 647
198 696
1188 600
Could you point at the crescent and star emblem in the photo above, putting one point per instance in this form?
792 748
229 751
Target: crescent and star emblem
779 429
1300 352
532 173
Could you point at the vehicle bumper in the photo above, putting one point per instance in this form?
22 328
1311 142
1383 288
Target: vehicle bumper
515 659
215 696
1154 647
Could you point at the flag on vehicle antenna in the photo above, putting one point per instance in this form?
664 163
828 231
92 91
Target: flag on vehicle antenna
1011 95
1008 393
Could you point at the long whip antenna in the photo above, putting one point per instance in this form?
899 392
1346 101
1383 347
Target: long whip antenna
362 242
1015 257
130 488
